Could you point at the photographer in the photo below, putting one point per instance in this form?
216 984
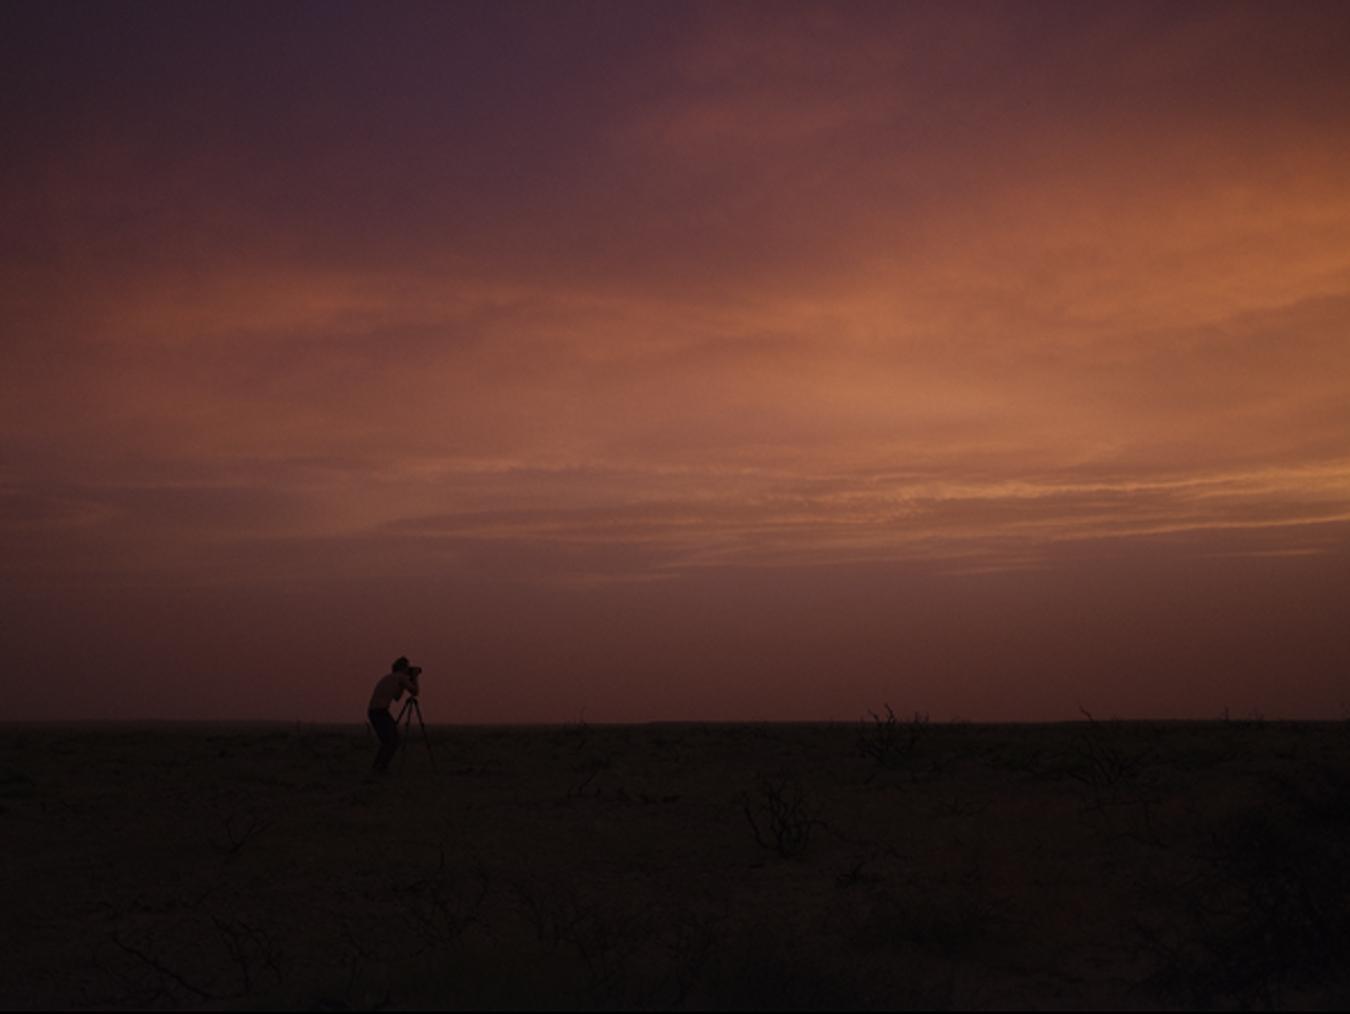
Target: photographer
402 676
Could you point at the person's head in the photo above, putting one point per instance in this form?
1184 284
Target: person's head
402 665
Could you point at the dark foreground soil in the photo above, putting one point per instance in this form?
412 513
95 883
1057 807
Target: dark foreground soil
874 865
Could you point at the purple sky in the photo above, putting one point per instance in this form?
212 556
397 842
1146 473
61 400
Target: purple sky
675 361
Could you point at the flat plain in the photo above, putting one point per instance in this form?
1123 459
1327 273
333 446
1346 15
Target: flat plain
888 863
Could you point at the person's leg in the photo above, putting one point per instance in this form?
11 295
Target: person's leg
386 727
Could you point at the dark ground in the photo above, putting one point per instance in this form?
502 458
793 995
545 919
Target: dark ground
882 864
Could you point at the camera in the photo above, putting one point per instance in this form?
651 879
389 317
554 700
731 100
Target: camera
414 671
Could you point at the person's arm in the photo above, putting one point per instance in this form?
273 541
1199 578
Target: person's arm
410 684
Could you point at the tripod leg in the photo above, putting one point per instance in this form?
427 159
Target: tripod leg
423 725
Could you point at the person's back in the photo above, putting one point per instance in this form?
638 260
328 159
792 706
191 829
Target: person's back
390 689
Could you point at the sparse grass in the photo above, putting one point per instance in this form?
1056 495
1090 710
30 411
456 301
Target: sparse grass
1265 915
782 814
888 741
607 866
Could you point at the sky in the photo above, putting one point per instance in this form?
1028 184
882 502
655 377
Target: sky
645 362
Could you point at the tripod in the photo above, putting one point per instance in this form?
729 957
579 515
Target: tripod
405 717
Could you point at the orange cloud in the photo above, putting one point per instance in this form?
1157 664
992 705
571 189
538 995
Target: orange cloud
900 283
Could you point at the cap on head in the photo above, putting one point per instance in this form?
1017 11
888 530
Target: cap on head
401 664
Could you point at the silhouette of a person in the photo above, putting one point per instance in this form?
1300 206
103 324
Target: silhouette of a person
402 676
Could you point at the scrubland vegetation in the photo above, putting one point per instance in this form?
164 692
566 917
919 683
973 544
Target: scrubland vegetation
892 863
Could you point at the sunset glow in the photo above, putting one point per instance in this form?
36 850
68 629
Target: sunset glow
658 361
